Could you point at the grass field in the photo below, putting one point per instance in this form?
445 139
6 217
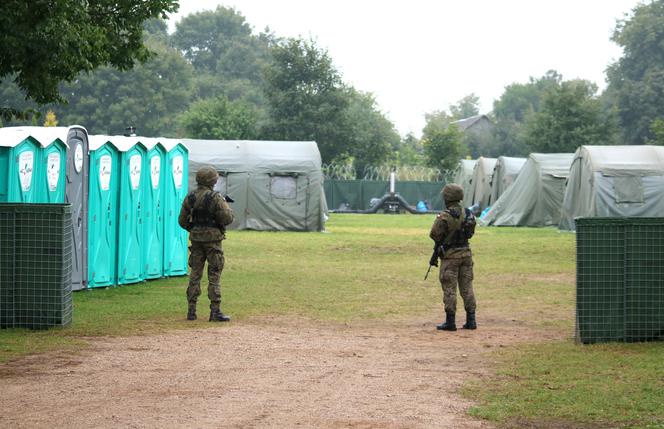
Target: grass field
370 267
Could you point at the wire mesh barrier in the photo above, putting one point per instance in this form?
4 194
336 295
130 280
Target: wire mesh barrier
619 279
35 265
413 173
335 171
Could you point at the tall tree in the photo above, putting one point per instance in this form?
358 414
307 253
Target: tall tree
306 98
570 116
442 141
636 80
218 118
466 107
45 42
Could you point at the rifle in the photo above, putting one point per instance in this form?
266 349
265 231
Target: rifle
433 261
228 199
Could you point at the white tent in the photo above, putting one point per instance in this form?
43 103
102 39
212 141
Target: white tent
464 173
614 181
480 184
535 197
276 185
504 174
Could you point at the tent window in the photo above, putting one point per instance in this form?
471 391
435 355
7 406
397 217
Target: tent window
221 185
628 189
283 187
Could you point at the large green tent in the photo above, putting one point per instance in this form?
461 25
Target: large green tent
275 185
614 181
504 174
479 192
535 197
463 174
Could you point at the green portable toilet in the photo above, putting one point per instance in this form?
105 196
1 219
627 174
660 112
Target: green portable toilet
130 210
19 157
176 239
103 211
153 209
52 172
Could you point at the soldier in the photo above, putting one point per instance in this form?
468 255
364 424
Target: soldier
205 214
451 231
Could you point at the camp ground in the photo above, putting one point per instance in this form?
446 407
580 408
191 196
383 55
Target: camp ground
614 181
535 198
275 185
504 174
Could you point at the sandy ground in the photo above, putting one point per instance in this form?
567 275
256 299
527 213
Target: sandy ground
263 373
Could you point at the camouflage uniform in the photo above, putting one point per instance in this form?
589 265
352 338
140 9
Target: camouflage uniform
206 220
457 261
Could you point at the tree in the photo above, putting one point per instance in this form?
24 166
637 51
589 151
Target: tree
466 107
149 97
410 151
570 116
442 141
306 98
218 118
636 81
46 42
372 137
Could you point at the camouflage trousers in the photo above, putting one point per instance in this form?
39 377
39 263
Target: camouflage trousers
453 272
200 251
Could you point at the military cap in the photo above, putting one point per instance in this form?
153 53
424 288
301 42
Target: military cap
207 175
452 192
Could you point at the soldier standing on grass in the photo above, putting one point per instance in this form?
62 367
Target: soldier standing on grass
205 214
451 231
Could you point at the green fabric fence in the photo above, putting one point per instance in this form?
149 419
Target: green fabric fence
358 193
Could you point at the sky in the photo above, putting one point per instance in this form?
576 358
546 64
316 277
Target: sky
419 56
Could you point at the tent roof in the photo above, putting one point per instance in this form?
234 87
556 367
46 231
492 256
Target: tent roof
12 136
510 165
241 155
555 164
624 159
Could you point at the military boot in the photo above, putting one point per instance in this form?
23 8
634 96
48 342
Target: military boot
191 313
217 316
470 321
449 325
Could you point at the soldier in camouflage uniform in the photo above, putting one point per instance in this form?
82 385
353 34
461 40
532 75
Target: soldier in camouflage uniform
451 231
205 214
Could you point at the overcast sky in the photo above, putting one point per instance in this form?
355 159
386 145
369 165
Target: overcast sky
418 56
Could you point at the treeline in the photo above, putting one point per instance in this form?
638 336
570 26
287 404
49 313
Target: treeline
214 78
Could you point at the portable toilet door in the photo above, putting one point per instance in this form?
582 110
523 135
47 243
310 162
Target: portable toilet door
130 218
51 173
76 194
176 239
103 212
18 161
153 213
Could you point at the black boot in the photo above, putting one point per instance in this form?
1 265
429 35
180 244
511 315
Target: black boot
217 316
449 325
191 314
470 321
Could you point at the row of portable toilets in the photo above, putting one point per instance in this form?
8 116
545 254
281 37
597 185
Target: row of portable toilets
125 194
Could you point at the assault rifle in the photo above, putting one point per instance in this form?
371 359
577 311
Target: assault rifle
433 261
228 199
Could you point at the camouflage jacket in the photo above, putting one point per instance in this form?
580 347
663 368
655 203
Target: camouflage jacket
446 224
218 211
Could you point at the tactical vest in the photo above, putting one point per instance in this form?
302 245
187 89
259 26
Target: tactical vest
458 238
202 216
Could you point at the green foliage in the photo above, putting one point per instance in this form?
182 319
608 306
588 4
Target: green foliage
218 118
410 152
306 98
657 128
148 97
44 42
466 107
443 147
570 116
636 81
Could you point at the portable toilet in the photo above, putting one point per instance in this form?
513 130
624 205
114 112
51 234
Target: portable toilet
176 239
76 194
51 171
153 209
103 212
19 157
130 210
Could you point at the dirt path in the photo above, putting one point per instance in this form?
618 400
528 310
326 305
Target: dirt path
256 374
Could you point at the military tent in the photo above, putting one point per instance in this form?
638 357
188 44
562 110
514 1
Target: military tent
614 181
504 174
464 173
535 197
275 185
480 184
